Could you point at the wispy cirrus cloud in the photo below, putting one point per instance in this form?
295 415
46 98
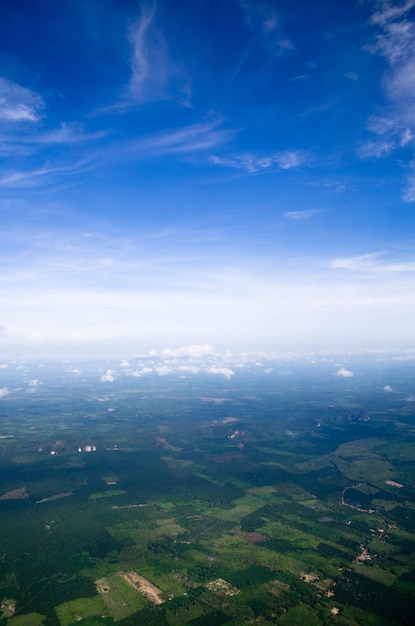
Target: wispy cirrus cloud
251 163
301 215
184 140
154 75
19 104
395 41
263 19
29 142
42 175
372 262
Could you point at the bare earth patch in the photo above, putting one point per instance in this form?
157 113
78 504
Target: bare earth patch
222 587
312 577
214 400
153 593
15 494
8 608
103 585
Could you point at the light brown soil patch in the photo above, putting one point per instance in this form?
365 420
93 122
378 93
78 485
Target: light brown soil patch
222 587
153 593
103 585
214 400
15 494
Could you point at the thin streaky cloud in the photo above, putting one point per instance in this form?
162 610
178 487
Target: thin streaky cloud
301 215
193 138
154 75
251 163
37 176
372 262
71 133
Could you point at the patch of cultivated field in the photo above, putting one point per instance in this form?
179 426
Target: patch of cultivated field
30 619
242 507
120 597
153 593
106 494
77 610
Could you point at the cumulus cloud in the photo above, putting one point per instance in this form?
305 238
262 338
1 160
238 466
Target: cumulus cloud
194 351
387 388
18 104
222 371
3 392
344 373
163 370
34 382
75 371
191 369
108 377
139 373
125 363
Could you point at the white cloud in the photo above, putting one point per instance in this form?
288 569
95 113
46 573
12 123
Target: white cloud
42 175
142 372
154 76
191 369
395 41
344 373
301 215
372 262
108 377
3 366
194 351
377 149
163 370
3 392
261 17
187 139
18 104
125 363
222 371
34 382
387 388
409 190
75 371
360 262
251 163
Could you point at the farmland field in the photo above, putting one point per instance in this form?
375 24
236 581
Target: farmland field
200 500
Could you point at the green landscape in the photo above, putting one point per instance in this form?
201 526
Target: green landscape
284 494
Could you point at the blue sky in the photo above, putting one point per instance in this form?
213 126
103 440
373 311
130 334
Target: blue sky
231 173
